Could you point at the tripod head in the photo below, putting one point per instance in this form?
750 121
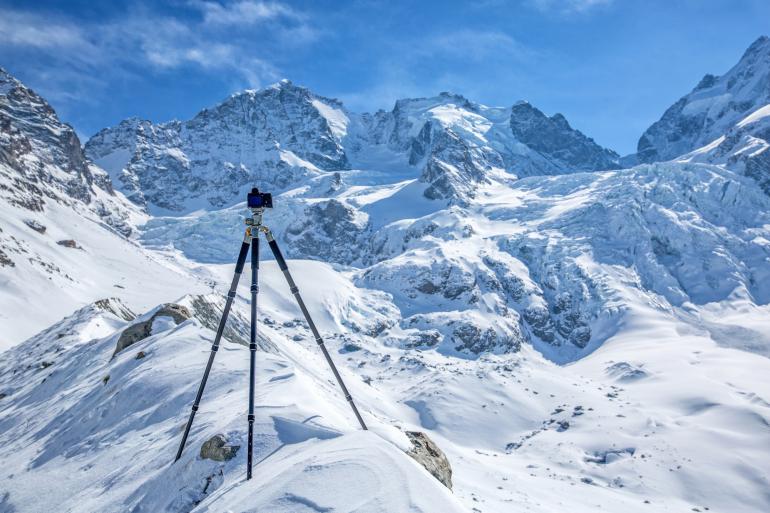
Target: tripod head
257 202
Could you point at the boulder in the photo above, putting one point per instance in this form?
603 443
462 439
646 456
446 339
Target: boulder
69 243
142 330
216 448
427 453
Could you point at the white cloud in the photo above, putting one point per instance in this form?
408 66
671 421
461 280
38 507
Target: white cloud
142 40
23 29
244 12
569 6
476 45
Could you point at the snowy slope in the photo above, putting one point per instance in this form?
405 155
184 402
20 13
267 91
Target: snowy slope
107 428
63 230
645 421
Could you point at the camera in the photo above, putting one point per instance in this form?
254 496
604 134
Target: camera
256 199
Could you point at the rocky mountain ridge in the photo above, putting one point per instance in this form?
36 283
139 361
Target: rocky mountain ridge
41 160
284 134
715 107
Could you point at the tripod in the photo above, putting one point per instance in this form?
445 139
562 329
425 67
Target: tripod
251 240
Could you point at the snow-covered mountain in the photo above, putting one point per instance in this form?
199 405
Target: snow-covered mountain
570 334
63 236
723 120
284 135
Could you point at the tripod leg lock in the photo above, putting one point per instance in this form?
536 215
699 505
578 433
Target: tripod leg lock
252 347
231 294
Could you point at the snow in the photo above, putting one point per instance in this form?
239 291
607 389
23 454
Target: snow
584 341
755 116
336 117
51 280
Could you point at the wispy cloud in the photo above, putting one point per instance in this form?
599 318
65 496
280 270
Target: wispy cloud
207 37
245 12
569 6
474 44
18 28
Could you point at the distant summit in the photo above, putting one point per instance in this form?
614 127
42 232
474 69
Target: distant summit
283 134
712 108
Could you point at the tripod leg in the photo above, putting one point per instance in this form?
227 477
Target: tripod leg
294 290
252 349
215 346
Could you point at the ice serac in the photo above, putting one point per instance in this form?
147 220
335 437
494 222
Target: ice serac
715 107
274 137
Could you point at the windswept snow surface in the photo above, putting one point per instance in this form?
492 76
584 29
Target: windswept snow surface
107 428
660 416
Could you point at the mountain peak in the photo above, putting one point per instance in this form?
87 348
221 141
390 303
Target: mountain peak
761 44
7 82
714 106
554 137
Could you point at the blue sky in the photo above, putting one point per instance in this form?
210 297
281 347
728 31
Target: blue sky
610 66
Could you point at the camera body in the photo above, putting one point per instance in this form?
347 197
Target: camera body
256 199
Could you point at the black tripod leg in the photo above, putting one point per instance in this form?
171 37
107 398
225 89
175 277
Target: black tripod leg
294 290
252 349
215 346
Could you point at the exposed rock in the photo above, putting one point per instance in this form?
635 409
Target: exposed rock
68 243
142 330
208 310
249 138
41 160
427 453
39 228
424 338
711 109
216 448
5 260
115 306
328 230
556 140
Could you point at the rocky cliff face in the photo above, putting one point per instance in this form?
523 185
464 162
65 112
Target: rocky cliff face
274 137
41 156
41 160
554 138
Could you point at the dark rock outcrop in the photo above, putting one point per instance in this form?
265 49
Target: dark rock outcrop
141 330
710 110
427 453
216 448
555 139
